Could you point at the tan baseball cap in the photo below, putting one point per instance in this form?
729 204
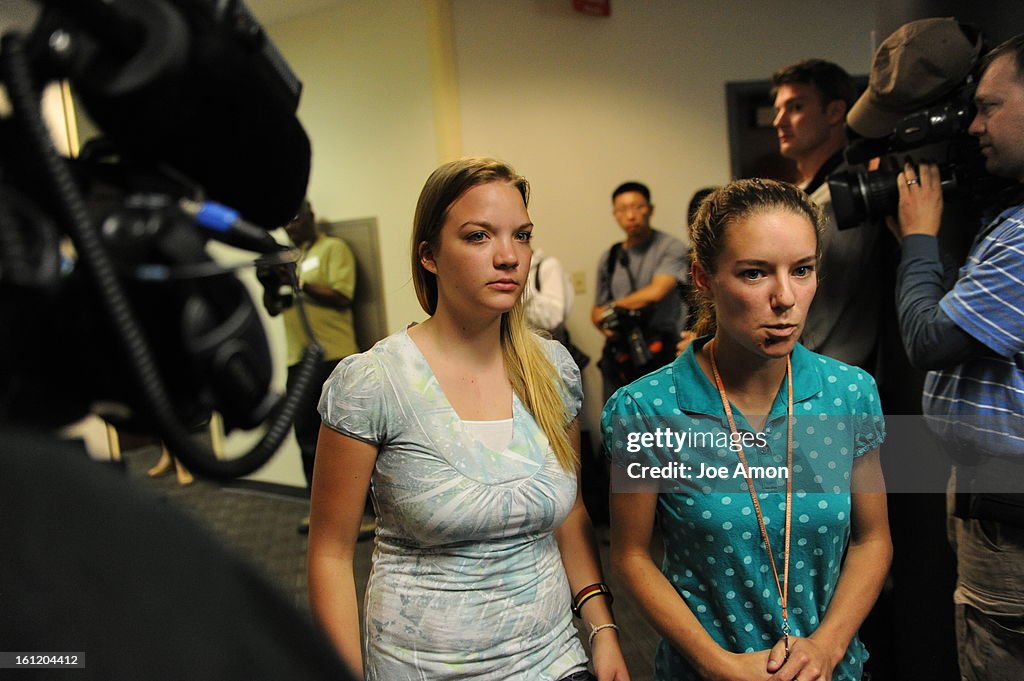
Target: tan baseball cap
919 63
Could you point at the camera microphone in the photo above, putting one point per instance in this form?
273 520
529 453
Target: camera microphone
227 225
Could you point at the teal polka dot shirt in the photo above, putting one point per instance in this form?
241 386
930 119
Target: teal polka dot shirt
714 554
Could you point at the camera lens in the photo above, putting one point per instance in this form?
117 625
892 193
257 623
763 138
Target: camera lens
881 196
862 196
609 319
859 197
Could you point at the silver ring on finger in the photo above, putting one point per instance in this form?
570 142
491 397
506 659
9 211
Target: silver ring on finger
911 182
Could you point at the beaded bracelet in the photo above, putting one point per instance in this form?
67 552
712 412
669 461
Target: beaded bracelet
588 592
599 627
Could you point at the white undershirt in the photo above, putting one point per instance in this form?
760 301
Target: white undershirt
495 435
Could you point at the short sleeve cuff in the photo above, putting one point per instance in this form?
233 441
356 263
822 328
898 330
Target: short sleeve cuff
352 401
872 435
572 382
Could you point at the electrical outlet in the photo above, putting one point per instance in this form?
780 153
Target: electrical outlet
579 282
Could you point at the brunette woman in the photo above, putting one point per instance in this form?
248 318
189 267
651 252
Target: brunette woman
754 583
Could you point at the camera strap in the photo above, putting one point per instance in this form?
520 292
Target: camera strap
617 256
613 260
823 172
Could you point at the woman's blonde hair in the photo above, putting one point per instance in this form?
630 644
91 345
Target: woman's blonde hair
532 374
732 203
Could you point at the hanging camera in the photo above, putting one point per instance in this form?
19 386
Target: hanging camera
629 353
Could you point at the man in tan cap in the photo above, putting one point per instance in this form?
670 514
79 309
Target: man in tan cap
811 102
920 64
971 338
916 66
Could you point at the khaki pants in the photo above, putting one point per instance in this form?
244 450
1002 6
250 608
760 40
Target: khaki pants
989 598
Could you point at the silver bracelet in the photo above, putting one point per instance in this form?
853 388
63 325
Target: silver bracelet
599 627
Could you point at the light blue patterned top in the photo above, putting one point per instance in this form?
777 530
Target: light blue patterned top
714 555
467 581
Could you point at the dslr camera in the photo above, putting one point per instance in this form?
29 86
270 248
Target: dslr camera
629 352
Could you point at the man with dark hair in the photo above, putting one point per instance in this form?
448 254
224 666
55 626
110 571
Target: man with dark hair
831 81
812 98
633 186
970 335
638 287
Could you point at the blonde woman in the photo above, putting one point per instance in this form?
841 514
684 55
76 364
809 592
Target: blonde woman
464 427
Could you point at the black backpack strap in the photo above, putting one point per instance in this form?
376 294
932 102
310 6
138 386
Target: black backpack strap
823 173
613 259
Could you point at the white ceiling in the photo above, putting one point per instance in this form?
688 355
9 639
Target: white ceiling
270 12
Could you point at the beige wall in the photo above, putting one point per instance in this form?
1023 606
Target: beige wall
579 104
576 103
368 106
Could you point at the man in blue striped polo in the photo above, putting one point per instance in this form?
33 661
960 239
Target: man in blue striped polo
971 338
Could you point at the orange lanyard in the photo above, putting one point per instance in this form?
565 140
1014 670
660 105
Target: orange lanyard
783 585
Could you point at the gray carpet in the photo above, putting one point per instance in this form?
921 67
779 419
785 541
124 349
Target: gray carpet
261 526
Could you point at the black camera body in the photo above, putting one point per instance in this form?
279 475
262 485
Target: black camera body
860 195
630 352
279 286
109 300
627 325
616 318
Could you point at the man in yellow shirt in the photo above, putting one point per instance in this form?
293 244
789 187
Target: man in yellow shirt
327 280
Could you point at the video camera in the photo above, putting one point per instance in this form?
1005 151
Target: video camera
107 292
862 195
919 104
